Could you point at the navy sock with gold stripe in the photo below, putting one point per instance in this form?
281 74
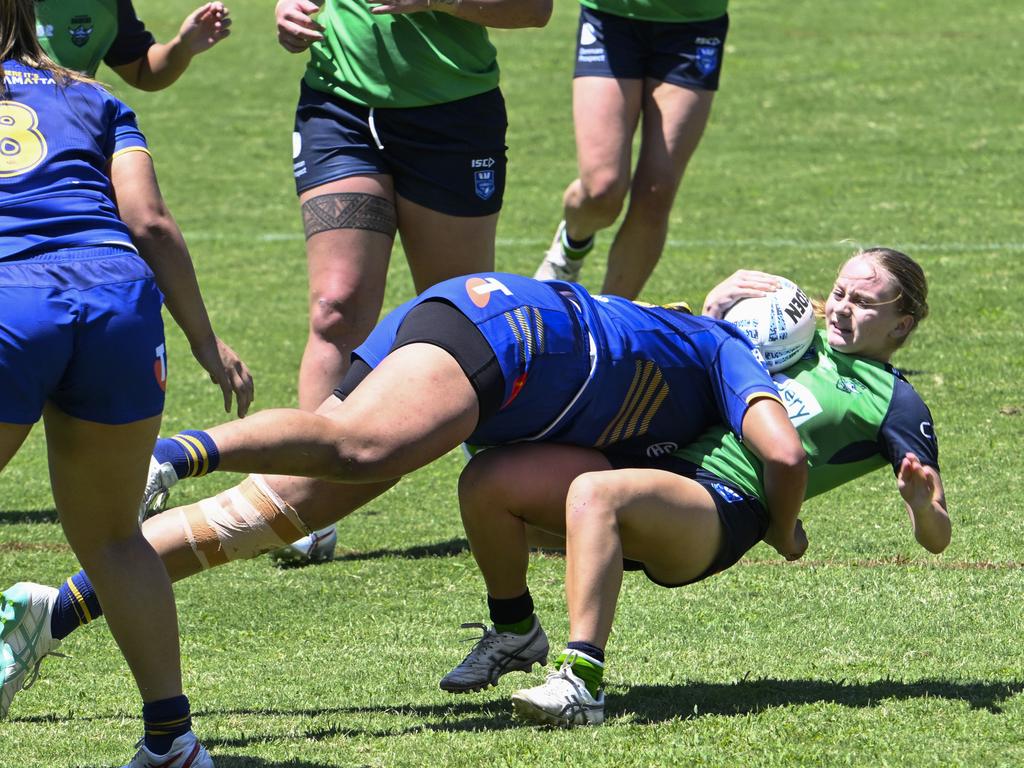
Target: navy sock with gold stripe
76 606
192 453
165 720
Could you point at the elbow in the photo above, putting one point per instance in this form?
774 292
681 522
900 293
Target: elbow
154 224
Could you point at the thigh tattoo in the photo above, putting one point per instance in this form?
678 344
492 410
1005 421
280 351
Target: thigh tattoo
349 210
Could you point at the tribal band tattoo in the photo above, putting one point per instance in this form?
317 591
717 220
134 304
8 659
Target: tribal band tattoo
349 210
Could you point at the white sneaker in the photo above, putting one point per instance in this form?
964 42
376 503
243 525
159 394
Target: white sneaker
563 699
185 752
495 654
318 547
161 479
25 612
556 266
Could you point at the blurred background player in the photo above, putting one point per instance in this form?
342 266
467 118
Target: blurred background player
691 514
87 246
400 126
79 34
655 63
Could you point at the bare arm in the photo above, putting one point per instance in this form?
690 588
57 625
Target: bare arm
164 63
742 284
156 235
505 14
921 489
768 432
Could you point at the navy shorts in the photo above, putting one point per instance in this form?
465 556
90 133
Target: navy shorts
688 54
743 517
449 157
81 328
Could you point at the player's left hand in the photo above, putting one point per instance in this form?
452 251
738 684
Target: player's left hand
206 26
227 371
741 284
916 482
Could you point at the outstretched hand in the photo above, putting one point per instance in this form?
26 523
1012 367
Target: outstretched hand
917 483
790 545
296 28
742 284
206 26
227 371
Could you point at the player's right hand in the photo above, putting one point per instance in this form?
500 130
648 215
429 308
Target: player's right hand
792 545
227 371
296 28
742 284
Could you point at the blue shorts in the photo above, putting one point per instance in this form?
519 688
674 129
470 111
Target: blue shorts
449 157
81 328
743 517
688 54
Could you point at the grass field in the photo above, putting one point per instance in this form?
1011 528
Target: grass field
838 124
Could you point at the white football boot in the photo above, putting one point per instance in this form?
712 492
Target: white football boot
562 700
25 613
185 752
318 547
159 482
496 654
556 266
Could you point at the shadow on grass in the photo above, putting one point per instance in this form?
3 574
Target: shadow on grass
657 703
449 548
19 516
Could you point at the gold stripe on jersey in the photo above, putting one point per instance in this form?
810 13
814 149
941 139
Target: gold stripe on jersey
646 393
524 323
126 150
513 323
538 320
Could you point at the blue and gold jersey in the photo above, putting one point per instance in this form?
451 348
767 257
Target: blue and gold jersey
56 143
597 371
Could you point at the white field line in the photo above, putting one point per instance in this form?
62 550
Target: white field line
517 242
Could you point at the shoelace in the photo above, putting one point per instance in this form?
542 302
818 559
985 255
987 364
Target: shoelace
34 674
485 641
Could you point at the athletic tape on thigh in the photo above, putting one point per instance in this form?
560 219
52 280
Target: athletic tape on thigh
242 522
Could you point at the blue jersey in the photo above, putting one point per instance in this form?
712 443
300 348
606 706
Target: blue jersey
597 371
56 143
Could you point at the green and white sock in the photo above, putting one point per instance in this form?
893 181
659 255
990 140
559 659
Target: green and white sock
585 667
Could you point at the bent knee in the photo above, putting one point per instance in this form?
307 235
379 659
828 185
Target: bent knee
592 500
339 319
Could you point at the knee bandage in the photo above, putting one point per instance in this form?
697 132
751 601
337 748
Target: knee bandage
240 523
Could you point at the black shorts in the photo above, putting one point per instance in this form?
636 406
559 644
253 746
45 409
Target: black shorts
688 53
743 517
449 157
439 323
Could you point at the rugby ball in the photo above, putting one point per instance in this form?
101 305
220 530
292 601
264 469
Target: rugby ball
781 324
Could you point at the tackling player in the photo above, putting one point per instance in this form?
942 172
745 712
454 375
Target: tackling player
688 515
87 247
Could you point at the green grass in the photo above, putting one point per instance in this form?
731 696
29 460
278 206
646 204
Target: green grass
885 123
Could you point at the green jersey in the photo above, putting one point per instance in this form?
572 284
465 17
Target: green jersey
400 60
853 415
79 34
661 10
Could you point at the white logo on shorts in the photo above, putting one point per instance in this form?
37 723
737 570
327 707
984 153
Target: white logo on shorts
587 36
296 144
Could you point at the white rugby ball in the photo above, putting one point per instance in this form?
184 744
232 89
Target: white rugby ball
781 325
